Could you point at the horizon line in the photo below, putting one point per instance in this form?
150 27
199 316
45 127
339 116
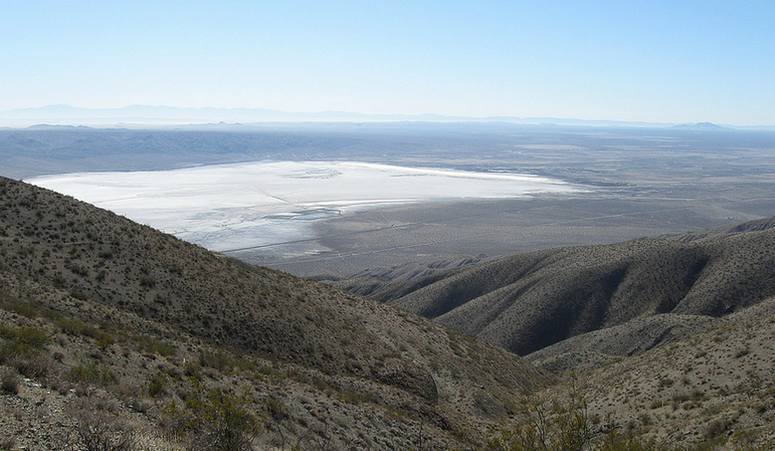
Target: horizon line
370 117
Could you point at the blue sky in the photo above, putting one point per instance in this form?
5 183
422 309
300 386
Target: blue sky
669 61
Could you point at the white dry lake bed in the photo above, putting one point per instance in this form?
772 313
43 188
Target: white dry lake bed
233 206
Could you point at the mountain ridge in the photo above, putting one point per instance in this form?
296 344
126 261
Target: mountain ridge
532 301
171 115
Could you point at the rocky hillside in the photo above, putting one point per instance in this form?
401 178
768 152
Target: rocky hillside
712 389
111 305
384 284
616 300
116 336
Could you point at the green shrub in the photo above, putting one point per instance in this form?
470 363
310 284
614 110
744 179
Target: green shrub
23 305
157 385
11 303
75 327
154 346
92 374
615 441
353 397
21 342
563 425
193 370
276 408
214 420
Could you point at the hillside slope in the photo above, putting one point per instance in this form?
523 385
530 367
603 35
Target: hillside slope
708 390
406 369
384 284
528 302
713 387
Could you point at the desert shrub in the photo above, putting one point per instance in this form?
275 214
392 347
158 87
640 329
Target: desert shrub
92 373
694 395
21 342
79 270
742 352
75 327
35 366
27 335
215 359
562 425
223 361
717 427
9 383
615 441
99 433
276 408
147 282
71 326
666 382
157 385
105 254
12 303
193 370
352 397
213 420
26 309
154 346
266 370
22 304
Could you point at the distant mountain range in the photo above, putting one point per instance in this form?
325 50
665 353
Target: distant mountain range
161 115
700 126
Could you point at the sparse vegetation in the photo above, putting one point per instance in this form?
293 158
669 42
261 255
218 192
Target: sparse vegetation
223 361
236 356
562 425
214 420
21 342
276 408
9 382
98 433
157 385
79 328
154 346
92 373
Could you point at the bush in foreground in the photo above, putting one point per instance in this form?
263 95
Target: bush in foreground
214 420
9 383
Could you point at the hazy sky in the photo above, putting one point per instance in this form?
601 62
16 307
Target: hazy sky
630 60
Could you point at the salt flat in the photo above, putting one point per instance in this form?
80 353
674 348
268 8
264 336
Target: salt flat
240 205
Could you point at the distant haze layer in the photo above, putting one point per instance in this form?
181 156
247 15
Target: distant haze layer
225 207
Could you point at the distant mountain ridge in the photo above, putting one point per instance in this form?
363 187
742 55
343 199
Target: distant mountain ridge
700 126
162 115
